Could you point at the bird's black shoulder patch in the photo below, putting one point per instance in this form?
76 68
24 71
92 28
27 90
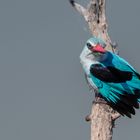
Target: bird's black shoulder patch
110 74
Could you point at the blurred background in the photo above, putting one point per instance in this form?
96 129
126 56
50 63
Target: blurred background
43 93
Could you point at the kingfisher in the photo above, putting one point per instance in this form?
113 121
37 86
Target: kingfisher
112 77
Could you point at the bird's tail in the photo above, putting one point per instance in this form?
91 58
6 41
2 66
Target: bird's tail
124 103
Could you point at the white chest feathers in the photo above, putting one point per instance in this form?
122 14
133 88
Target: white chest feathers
87 59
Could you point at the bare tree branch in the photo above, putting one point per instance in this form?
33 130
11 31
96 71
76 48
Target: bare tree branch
79 8
102 116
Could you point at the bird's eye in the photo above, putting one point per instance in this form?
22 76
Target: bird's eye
89 45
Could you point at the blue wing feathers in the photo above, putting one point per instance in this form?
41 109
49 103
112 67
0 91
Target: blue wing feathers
123 95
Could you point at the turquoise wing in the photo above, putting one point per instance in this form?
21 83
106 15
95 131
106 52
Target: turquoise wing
122 92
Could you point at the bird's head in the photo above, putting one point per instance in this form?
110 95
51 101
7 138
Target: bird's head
96 46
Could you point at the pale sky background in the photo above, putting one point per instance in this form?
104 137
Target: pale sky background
43 93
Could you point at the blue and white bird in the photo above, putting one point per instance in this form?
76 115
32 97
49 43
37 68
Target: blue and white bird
111 76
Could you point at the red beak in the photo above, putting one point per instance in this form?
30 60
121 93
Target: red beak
98 48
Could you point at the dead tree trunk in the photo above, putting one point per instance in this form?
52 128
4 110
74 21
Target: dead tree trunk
102 116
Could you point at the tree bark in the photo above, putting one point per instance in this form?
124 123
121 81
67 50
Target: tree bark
102 116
